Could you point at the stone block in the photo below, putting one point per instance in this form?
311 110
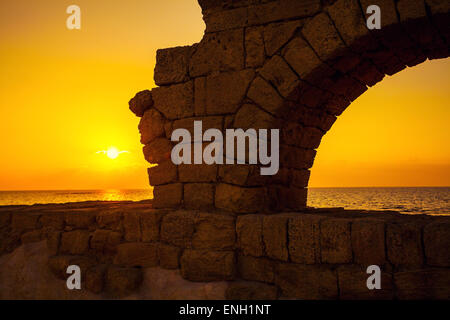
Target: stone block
150 225
225 91
256 269
263 94
75 242
111 220
300 178
250 116
335 241
306 282
31 236
404 245
275 235
168 196
304 238
105 241
368 241
279 74
178 229
120 282
23 222
281 10
254 47
249 229
172 65
197 173
240 200
423 284
436 237
58 265
158 151
141 102
52 221
132 226
198 196
225 20
137 254
164 173
200 96
251 290
169 256
80 220
175 101
276 35
353 284
214 231
201 265
94 279
151 126
221 51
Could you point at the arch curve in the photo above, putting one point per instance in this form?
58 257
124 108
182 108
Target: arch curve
281 64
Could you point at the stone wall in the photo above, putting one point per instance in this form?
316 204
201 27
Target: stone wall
287 64
314 254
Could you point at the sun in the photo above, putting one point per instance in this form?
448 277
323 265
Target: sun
112 152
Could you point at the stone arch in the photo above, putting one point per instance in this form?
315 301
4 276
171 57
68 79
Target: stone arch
293 65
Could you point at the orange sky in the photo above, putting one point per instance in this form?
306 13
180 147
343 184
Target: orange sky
64 94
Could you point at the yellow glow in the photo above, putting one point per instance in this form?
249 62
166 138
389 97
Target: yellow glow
64 93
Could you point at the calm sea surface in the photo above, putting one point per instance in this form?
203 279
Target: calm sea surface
426 200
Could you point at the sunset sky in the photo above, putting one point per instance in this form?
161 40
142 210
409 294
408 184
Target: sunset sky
64 95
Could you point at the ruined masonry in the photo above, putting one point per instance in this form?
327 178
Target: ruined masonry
288 64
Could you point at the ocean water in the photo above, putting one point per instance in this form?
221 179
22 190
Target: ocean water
414 200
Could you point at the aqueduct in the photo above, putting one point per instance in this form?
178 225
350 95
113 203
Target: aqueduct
288 64
210 231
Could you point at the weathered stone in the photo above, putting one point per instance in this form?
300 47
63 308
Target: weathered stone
353 284
75 242
53 241
304 238
310 138
368 236
150 225
240 200
404 245
323 37
168 196
265 96
172 65
165 172
178 229
249 229
121 282
280 75
200 265
158 150
137 254
224 20
109 220
105 241
169 256
214 122
221 51
132 226
282 10
256 269
197 173
247 290
80 220
214 231
423 284
199 195
306 282
283 198
335 241
58 264
52 221
275 236
300 178
176 101
151 126
243 175
436 237
278 34
254 47
94 279
21 223
200 96
31 236
296 158
250 116
225 91
141 102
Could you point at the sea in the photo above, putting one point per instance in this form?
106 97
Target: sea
408 200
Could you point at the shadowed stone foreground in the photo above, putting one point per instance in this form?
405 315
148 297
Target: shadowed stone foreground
129 250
